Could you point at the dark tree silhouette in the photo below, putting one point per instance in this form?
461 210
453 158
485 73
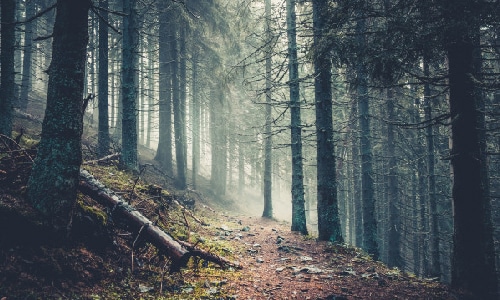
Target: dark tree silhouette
8 87
53 182
328 216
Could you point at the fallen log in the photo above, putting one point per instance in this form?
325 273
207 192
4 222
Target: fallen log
95 189
175 250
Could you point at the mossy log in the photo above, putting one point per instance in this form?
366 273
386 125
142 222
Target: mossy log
152 233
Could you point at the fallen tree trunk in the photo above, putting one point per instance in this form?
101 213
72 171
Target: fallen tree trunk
164 242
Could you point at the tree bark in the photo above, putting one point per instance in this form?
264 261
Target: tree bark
103 132
298 208
394 236
268 142
27 56
328 215
473 261
129 85
7 75
164 151
53 183
370 243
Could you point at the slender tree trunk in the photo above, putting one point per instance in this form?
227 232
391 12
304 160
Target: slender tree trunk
328 213
27 57
129 85
7 76
103 134
166 64
178 123
370 243
298 209
183 103
195 118
53 183
435 263
394 252
241 168
268 202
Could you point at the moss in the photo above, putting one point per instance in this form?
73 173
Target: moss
100 215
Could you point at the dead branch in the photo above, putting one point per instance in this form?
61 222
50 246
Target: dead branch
205 255
103 159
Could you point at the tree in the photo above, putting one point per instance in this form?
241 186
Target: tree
328 217
370 243
268 142
103 127
473 262
53 183
8 87
166 39
129 85
298 208
27 55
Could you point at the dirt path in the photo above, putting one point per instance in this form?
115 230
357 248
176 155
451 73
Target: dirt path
279 264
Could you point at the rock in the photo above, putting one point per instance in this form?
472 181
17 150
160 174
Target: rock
280 269
246 228
256 245
313 270
144 288
348 272
259 260
279 240
305 258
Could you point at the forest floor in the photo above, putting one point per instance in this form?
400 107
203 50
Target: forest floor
101 258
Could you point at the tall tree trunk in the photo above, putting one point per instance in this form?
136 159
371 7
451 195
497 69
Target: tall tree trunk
178 124
129 85
195 118
183 104
268 202
328 213
103 132
370 243
7 76
298 209
473 262
53 183
394 236
166 64
27 56
435 261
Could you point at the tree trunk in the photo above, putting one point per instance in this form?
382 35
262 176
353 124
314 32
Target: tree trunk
103 105
166 40
268 142
27 56
195 113
298 208
435 261
473 261
394 235
53 183
129 85
7 76
370 243
328 214
180 124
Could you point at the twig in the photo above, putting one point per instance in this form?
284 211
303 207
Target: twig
133 244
